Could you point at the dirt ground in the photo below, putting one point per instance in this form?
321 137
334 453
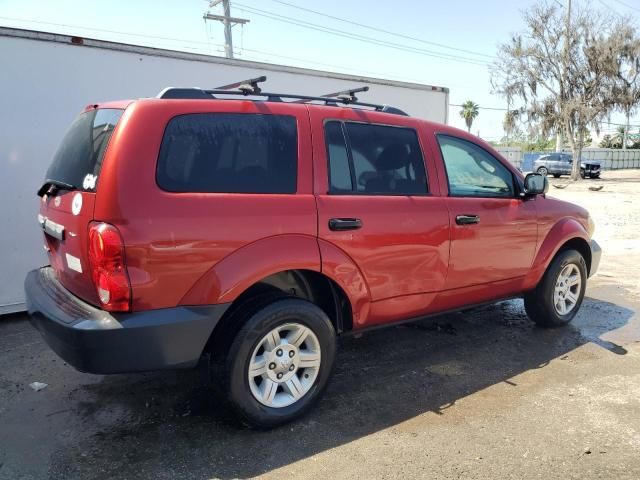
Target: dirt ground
480 394
616 211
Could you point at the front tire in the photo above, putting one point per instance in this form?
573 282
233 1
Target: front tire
556 175
557 298
279 362
543 171
583 173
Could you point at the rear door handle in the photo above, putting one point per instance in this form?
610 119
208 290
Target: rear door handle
340 224
467 219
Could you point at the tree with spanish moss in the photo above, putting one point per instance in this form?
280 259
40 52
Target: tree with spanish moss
565 76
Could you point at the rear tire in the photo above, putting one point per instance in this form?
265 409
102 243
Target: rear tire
557 298
543 171
583 174
261 377
556 175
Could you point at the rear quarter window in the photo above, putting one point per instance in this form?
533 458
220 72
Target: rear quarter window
229 153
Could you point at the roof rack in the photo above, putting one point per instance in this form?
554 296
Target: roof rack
250 87
347 96
247 87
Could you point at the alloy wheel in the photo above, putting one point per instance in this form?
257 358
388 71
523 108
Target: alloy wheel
284 365
567 289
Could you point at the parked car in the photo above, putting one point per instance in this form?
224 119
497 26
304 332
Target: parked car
557 164
252 231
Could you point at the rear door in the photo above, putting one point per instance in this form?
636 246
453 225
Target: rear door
493 229
552 163
375 200
567 164
68 198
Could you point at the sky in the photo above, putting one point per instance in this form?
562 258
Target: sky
471 29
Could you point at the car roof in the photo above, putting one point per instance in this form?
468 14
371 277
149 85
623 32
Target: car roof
372 115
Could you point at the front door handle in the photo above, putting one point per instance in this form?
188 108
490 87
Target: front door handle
340 224
467 219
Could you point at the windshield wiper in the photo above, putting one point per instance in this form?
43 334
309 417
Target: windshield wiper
52 186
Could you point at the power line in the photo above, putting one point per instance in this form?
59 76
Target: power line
103 30
173 39
362 38
507 110
382 30
482 108
208 44
627 5
379 74
354 36
609 8
228 21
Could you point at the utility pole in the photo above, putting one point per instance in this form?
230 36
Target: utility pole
228 21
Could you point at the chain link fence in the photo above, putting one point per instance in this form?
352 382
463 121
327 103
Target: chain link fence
609 158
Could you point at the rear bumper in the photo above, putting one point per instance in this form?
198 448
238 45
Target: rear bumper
596 254
96 341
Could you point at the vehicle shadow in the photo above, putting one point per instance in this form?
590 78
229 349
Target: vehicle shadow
167 425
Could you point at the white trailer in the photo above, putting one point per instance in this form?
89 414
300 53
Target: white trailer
46 79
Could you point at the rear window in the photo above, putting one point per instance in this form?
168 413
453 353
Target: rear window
374 159
229 153
79 157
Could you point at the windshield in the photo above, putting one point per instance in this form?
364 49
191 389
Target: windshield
78 160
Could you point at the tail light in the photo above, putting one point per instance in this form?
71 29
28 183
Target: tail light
108 267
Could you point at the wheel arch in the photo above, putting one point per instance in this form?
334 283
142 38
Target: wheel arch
225 281
309 285
566 234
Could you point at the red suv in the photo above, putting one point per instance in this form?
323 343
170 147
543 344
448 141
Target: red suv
256 227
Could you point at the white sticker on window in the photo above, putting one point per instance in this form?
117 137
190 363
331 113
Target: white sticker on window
89 182
73 263
76 205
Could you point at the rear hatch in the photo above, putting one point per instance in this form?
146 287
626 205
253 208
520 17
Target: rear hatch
68 197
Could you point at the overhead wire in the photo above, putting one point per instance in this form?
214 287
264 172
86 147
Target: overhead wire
361 38
382 30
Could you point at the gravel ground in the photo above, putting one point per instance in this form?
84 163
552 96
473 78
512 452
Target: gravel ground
479 394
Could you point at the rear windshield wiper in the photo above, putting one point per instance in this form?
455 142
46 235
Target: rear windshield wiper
52 186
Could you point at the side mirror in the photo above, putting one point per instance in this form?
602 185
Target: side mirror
535 184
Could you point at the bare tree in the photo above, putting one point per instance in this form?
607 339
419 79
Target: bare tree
627 87
564 76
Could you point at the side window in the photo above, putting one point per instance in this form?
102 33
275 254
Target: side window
472 171
229 153
374 160
340 179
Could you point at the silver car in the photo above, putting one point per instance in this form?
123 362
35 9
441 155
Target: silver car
557 164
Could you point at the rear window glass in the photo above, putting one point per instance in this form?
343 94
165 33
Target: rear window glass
229 153
79 157
374 159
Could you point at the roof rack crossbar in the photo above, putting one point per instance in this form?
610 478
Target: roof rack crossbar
301 98
348 95
310 98
248 87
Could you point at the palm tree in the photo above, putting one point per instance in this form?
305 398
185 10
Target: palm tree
469 112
